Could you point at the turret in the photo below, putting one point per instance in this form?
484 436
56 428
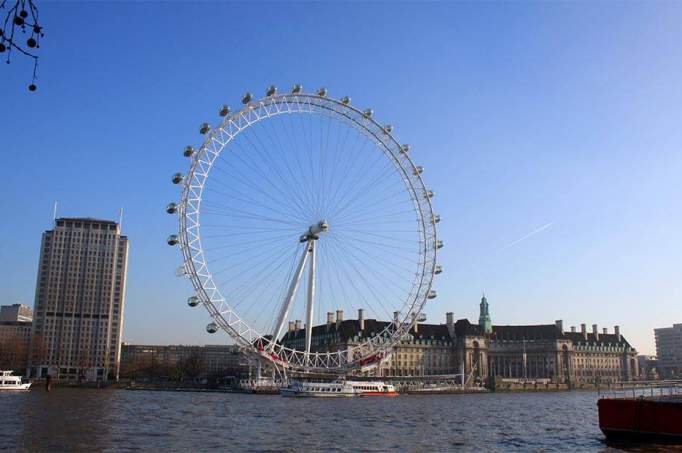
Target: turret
484 318
559 325
450 321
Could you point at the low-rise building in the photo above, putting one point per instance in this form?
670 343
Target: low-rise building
16 312
669 351
181 362
648 367
15 336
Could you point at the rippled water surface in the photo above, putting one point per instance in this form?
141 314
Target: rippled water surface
92 420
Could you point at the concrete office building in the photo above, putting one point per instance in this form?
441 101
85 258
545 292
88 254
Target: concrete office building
79 301
669 351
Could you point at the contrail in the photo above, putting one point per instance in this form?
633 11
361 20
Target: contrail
532 233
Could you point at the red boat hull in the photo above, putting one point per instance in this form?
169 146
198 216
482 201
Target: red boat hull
658 418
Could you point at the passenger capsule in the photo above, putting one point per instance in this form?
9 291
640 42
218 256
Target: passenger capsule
188 152
224 110
177 178
438 269
368 113
436 218
204 128
193 301
428 194
345 100
296 89
271 91
172 239
432 294
212 328
405 149
418 170
322 92
439 244
247 98
172 208
388 129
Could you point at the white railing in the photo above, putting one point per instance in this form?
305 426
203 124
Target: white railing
635 389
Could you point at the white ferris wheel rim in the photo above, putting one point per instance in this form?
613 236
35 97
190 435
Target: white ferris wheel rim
196 268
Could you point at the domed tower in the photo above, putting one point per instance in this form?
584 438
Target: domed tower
484 318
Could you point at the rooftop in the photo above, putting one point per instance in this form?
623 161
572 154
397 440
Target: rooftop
348 329
85 219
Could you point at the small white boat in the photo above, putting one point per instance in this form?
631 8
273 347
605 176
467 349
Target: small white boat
339 389
10 382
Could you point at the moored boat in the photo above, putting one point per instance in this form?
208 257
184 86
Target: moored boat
10 382
643 412
373 388
339 388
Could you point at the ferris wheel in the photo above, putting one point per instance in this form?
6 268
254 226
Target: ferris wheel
303 190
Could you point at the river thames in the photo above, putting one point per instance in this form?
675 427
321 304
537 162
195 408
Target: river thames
120 420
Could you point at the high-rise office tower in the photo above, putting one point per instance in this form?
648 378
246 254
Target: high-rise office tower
80 294
669 351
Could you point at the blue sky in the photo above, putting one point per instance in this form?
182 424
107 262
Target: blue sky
523 114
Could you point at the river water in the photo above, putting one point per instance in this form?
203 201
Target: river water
120 420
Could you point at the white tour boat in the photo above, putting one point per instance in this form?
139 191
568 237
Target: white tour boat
10 382
339 389
373 388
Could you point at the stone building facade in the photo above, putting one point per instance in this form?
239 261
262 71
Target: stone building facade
485 351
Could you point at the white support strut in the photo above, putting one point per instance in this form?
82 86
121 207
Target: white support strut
290 297
311 297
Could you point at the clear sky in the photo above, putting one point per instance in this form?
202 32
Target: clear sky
558 119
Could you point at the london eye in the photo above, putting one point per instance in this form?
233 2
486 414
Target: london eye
297 205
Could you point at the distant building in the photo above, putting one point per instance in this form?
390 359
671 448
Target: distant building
484 351
15 336
669 351
153 362
80 298
16 312
648 367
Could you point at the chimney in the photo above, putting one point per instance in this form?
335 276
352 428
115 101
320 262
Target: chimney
605 331
330 319
572 329
361 318
450 321
616 330
396 317
298 324
595 331
339 318
583 330
415 324
560 325
291 326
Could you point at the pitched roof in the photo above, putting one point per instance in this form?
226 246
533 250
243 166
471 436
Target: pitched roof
348 329
608 339
532 332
